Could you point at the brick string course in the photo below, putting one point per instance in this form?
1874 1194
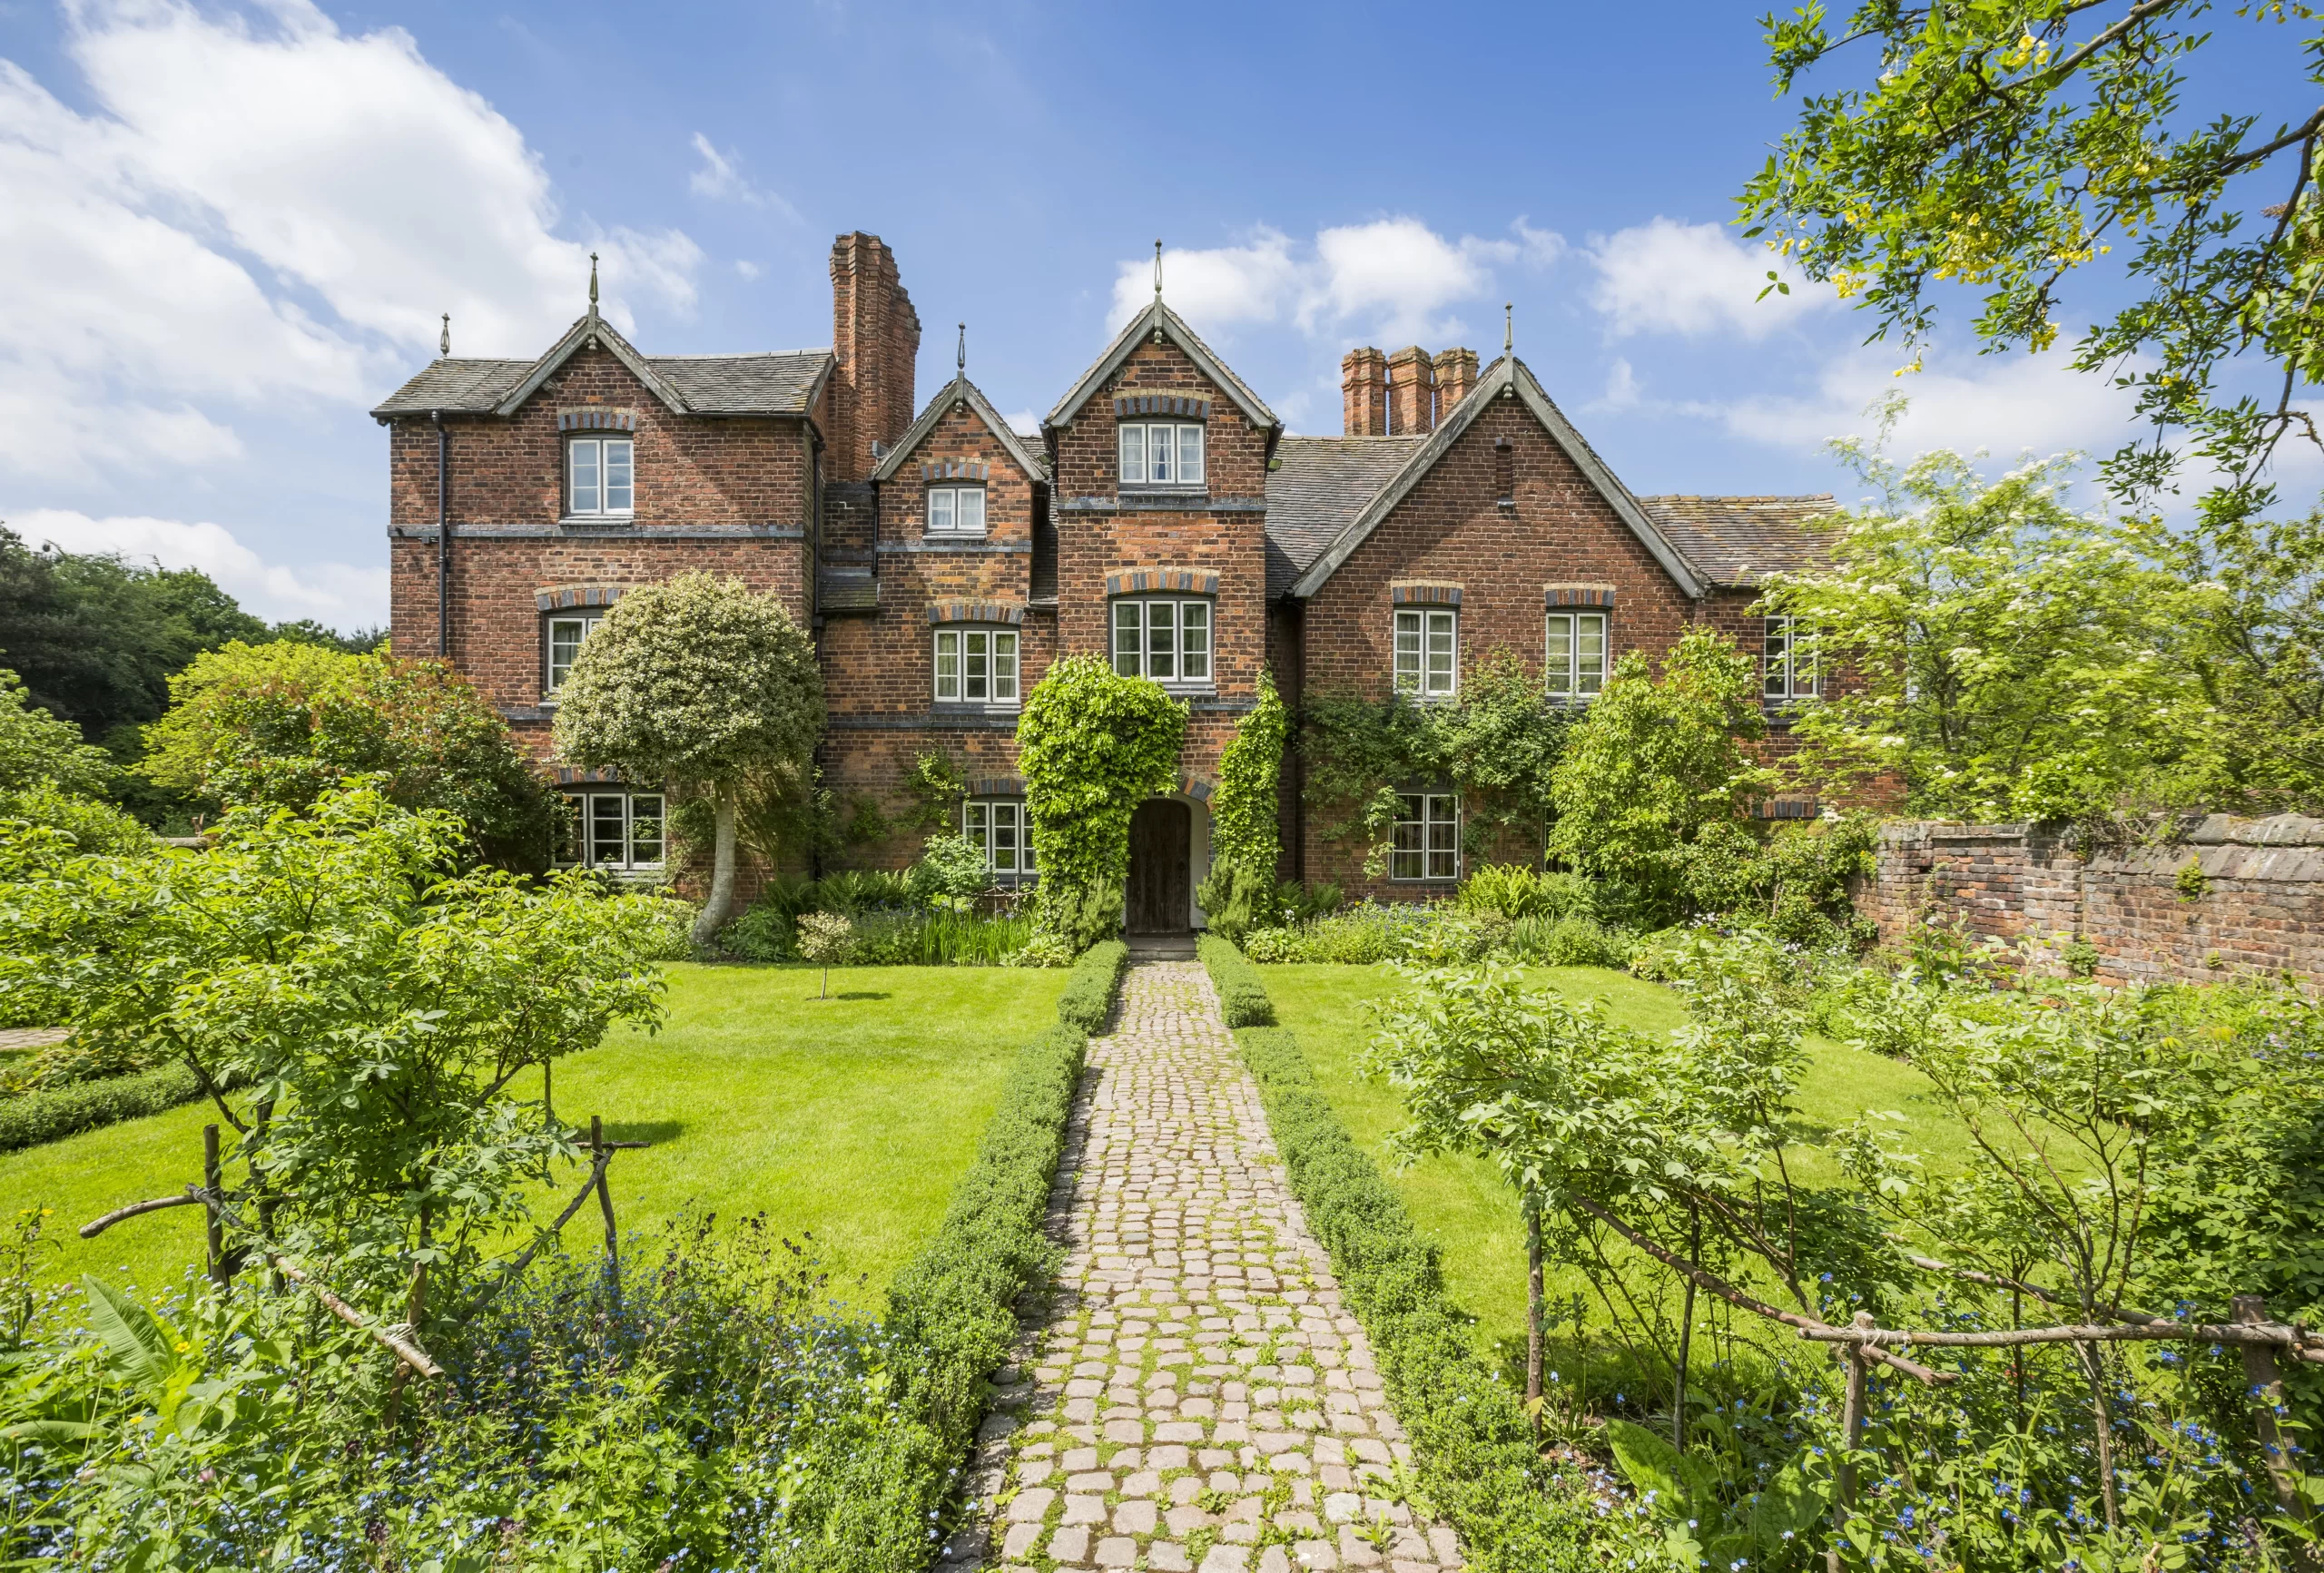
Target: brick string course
1193 1394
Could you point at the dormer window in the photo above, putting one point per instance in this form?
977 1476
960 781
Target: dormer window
600 477
1161 453
956 510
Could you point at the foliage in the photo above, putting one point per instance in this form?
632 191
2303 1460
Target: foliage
376 1007
696 681
49 777
278 725
900 919
1496 743
1244 812
2254 647
1515 891
2008 657
49 1114
1091 987
823 938
2006 150
1241 996
936 786
1092 745
1572 940
1654 761
951 871
1793 883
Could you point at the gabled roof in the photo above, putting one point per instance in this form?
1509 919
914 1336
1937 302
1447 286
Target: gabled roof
1505 377
961 388
784 382
1737 542
1317 486
1159 319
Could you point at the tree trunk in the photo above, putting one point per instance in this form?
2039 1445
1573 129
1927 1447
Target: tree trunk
2102 1416
722 872
1533 1308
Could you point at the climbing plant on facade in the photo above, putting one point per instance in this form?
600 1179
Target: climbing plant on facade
1092 746
1244 835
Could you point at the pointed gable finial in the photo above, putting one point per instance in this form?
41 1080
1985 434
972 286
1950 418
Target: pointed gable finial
1157 270
1509 328
444 343
593 291
961 359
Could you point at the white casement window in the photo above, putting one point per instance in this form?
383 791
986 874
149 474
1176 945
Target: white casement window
614 830
1000 827
600 477
567 630
1790 669
956 510
976 665
1161 454
1428 652
1167 640
1427 844
1574 662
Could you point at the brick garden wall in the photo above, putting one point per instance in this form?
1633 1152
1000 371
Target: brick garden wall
2259 910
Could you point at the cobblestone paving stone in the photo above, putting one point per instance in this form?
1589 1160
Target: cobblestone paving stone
1194 1395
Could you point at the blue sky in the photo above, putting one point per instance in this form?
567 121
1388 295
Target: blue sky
225 232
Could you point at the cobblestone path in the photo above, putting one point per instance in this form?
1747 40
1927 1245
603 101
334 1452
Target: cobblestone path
1197 1396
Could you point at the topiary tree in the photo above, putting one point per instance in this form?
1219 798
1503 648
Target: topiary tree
696 681
1092 745
1245 827
278 725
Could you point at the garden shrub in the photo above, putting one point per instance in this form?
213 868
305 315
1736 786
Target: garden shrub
50 1114
1092 745
1089 992
1245 842
1241 995
1572 941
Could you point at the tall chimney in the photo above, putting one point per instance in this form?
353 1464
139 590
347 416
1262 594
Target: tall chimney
1456 373
875 341
1364 393
1412 391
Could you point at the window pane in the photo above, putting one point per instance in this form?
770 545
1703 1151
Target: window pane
1804 674
608 829
1407 857
1407 651
976 824
1004 838
1444 838
1190 456
1133 454
565 844
645 829
971 510
584 458
1440 652
1162 640
947 664
1556 663
617 474
1158 454
1004 667
1778 663
939 509
564 636
1128 626
1590 660
975 664
1194 638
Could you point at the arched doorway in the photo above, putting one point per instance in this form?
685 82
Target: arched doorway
1160 899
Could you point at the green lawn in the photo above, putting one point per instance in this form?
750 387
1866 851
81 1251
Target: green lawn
851 1117
1460 1201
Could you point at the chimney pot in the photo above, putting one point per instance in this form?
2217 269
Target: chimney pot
1456 374
1412 391
1364 393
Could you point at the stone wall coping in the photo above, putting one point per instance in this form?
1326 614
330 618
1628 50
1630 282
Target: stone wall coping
2206 830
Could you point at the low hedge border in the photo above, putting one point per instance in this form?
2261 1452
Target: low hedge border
1089 991
1241 995
955 1307
31 1118
1473 1447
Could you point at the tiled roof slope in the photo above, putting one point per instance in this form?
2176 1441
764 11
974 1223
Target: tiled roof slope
777 383
1318 484
1739 541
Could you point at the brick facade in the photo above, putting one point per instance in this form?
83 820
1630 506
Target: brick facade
807 475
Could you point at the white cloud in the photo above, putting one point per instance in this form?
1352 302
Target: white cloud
1622 390
341 594
720 178
2003 404
746 269
1667 277
263 208
1025 423
1394 279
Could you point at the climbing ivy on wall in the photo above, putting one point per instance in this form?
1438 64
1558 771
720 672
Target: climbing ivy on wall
1092 746
1244 813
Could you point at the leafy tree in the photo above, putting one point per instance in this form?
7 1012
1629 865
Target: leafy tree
2008 149
49 777
281 723
2254 644
1655 761
1093 745
2007 656
699 682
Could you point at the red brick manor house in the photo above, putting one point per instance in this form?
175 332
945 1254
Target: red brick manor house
1162 517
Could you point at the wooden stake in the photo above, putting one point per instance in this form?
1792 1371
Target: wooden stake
1852 1437
597 1149
216 1228
2263 1385
1533 1311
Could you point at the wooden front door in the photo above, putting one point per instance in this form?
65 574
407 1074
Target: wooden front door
1161 848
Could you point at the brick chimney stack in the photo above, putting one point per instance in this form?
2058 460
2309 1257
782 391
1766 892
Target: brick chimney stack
1411 392
1364 393
875 339
1456 373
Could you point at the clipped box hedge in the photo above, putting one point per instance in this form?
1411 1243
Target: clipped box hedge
1089 991
1241 995
1473 1447
31 1118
